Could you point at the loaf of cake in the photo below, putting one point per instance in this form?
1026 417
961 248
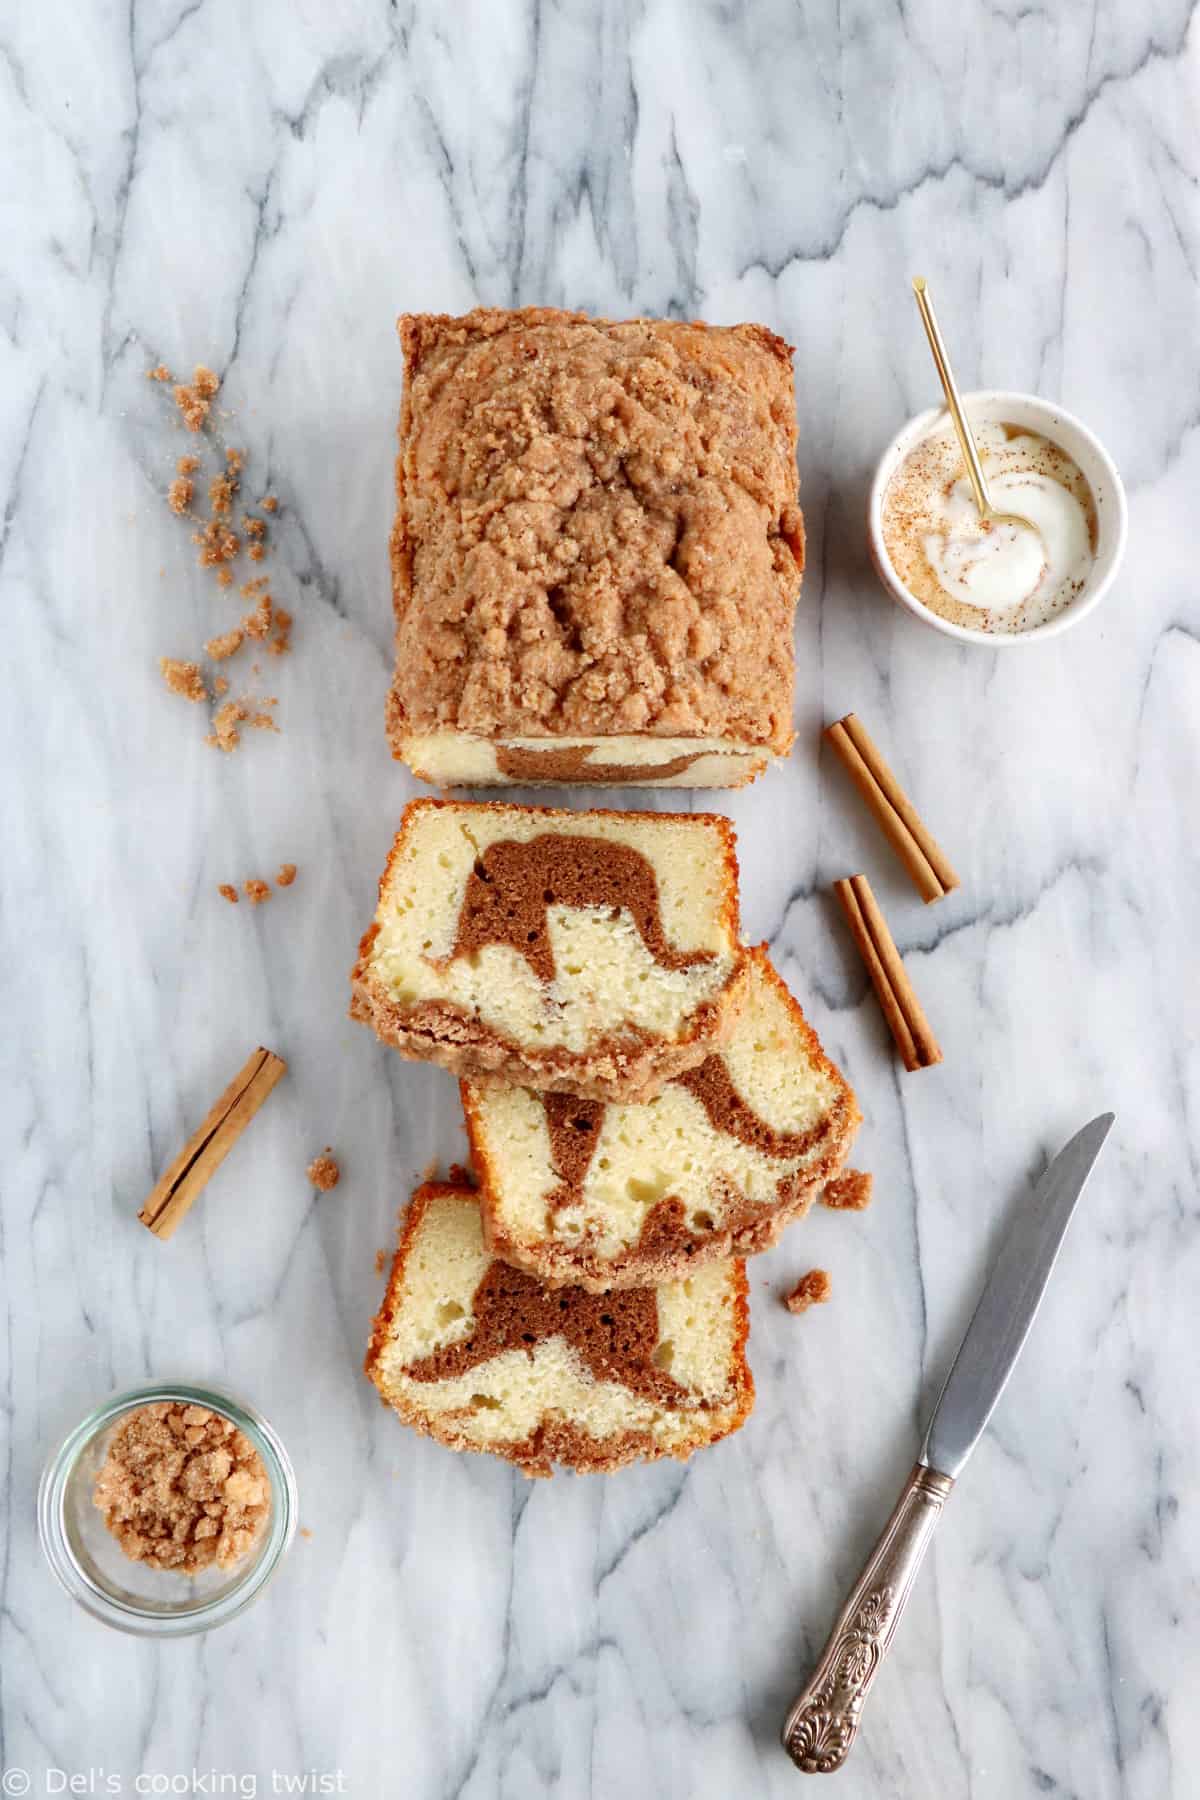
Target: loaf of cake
607 1196
597 551
591 952
482 1357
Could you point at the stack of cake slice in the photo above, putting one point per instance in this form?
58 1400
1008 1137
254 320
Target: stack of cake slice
646 1106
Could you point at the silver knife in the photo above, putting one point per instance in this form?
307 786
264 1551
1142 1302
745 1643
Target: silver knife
820 1728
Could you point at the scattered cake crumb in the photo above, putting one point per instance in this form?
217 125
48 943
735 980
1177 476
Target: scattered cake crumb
812 1289
850 1192
160 372
181 1487
195 400
381 1257
221 490
257 891
226 645
281 642
269 503
286 875
228 892
187 465
183 678
225 734
179 494
323 1171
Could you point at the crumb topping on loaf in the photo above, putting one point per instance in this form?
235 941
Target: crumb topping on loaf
597 528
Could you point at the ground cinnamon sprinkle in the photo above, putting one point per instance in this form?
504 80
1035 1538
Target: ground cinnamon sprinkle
257 891
183 678
323 1172
228 892
181 1487
179 494
195 400
850 1192
159 373
286 875
229 642
812 1289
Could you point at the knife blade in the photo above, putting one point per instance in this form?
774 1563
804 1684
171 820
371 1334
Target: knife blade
821 1726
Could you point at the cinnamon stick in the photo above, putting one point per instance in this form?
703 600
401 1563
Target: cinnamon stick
907 1022
891 808
207 1148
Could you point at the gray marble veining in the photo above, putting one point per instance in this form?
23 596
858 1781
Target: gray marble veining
263 188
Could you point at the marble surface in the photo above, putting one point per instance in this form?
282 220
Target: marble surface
263 188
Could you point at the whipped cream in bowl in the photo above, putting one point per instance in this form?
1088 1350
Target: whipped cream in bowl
999 583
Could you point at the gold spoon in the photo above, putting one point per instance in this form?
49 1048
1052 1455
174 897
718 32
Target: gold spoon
987 512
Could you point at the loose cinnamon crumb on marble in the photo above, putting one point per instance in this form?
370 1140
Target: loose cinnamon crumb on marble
225 734
850 1192
236 460
812 1289
281 642
195 400
159 373
221 491
224 646
257 891
305 1532
254 528
183 678
228 892
257 624
181 1488
180 493
381 1258
323 1172
187 465
286 875
269 503
224 578
217 544
256 552
220 686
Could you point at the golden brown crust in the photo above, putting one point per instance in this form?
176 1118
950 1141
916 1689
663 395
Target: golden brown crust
555 1441
632 1066
668 1249
647 422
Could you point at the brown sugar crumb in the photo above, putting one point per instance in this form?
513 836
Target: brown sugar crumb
228 892
850 1192
181 1488
187 465
221 490
225 734
286 875
258 623
217 544
183 678
269 503
220 685
256 552
281 642
179 494
812 1289
229 642
323 1172
160 372
195 400
381 1259
257 891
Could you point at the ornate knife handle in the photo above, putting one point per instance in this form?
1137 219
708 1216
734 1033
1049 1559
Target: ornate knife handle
821 1725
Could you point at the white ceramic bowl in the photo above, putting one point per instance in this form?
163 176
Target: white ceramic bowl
1062 428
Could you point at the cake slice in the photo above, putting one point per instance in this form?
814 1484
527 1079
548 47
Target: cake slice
592 952
623 1195
597 550
482 1357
